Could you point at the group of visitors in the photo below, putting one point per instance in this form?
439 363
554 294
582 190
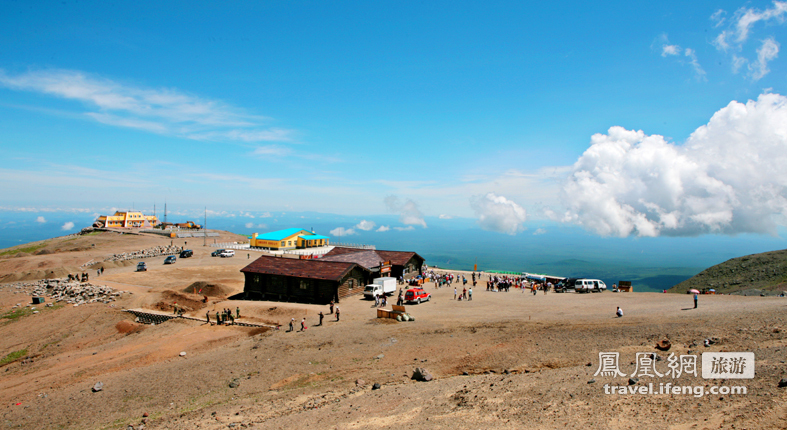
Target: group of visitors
83 277
380 300
467 294
224 317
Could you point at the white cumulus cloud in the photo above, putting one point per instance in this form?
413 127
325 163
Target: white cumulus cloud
444 216
497 213
366 225
341 231
67 226
408 211
41 220
539 231
383 228
408 228
728 177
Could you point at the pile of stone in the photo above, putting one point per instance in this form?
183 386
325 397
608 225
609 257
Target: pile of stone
61 290
156 251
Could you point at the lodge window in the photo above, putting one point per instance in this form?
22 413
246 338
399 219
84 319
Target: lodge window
351 283
304 285
282 243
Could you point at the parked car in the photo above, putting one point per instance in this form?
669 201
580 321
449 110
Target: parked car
227 253
416 295
565 285
142 267
216 253
170 260
186 253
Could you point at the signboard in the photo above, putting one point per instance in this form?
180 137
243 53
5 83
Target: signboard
385 267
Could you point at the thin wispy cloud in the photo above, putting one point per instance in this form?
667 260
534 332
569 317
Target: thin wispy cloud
767 52
692 55
739 29
162 111
672 50
747 17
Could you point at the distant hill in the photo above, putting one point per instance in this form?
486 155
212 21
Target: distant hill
766 272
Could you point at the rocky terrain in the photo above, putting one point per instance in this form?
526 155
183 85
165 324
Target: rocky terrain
503 360
755 274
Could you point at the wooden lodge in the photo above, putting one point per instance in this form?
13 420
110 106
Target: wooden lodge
303 281
406 264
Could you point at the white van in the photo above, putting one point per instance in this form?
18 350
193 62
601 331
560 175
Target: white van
589 285
227 253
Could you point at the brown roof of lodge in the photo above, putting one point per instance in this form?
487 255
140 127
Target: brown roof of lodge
365 258
399 258
310 269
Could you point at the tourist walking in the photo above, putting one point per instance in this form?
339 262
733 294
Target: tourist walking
454 293
303 324
237 312
337 313
331 307
207 316
470 294
695 300
321 317
292 323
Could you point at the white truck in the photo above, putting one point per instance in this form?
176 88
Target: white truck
379 287
589 285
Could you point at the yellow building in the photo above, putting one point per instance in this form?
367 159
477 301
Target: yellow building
290 238
127 220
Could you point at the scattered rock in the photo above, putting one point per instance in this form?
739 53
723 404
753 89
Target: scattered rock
360 382
182 353
663 345
783 383
592 381
465 373
235 383
379 357
633 381
98 387
421 374
376 386
145 415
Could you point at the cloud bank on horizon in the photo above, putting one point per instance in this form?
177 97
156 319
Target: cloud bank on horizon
727 178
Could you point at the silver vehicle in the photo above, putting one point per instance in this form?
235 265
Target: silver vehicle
589 285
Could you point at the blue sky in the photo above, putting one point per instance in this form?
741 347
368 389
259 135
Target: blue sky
623 119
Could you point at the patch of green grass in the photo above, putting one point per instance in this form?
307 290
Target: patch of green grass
28 249
16 355
16 314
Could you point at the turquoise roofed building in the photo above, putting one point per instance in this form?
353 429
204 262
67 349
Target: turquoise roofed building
291 238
